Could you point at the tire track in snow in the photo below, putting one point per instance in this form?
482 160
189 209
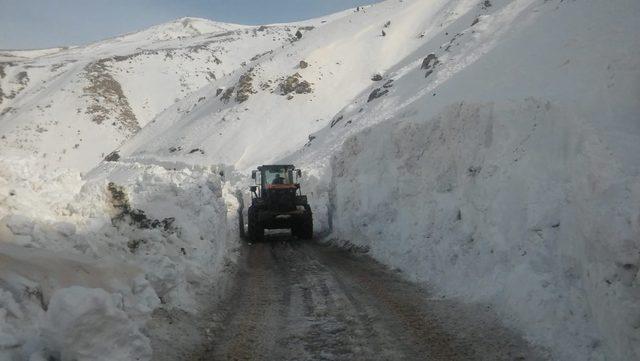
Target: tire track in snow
304 301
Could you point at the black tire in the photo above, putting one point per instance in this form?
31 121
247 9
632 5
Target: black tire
241 232
256 231
295 231
305 229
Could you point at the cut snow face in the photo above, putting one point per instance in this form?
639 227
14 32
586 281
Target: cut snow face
172 224
54 305
84 324
490 203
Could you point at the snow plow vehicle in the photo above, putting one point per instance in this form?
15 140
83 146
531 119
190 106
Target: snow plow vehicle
278 203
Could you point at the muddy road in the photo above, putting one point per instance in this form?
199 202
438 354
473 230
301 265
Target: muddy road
297 300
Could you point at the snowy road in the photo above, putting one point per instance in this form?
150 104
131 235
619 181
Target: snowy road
304 301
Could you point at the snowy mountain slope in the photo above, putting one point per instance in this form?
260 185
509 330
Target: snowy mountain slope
179 29
487 148
334 65
73 106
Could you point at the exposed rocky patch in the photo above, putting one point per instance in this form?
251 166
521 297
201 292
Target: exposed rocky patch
171 53
5 110
245 86
107 100
22 78
196 150
265 84
134 244
295 84
377 93
299 32
112 157
243 89
336 120
226 94
429 63
132 216
258 56
19 82
453 42
2 72
56 67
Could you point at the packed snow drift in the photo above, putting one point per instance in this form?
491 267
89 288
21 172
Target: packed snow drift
487 148
525 216
106 249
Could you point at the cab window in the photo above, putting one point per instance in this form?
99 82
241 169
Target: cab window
276 176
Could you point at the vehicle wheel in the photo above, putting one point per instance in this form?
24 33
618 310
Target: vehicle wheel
256 231
295 231
305 229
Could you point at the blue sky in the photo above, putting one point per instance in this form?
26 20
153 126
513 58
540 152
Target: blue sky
28 24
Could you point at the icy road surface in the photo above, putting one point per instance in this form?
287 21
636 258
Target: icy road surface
304 301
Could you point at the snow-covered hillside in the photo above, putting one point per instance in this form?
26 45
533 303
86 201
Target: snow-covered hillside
270 107
74 106
486 147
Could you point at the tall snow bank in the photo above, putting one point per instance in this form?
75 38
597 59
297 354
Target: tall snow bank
524 193
520 204
71 307
131 236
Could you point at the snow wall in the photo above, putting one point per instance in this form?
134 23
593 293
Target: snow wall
85 260
522 205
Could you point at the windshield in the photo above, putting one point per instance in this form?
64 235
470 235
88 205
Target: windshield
276 176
